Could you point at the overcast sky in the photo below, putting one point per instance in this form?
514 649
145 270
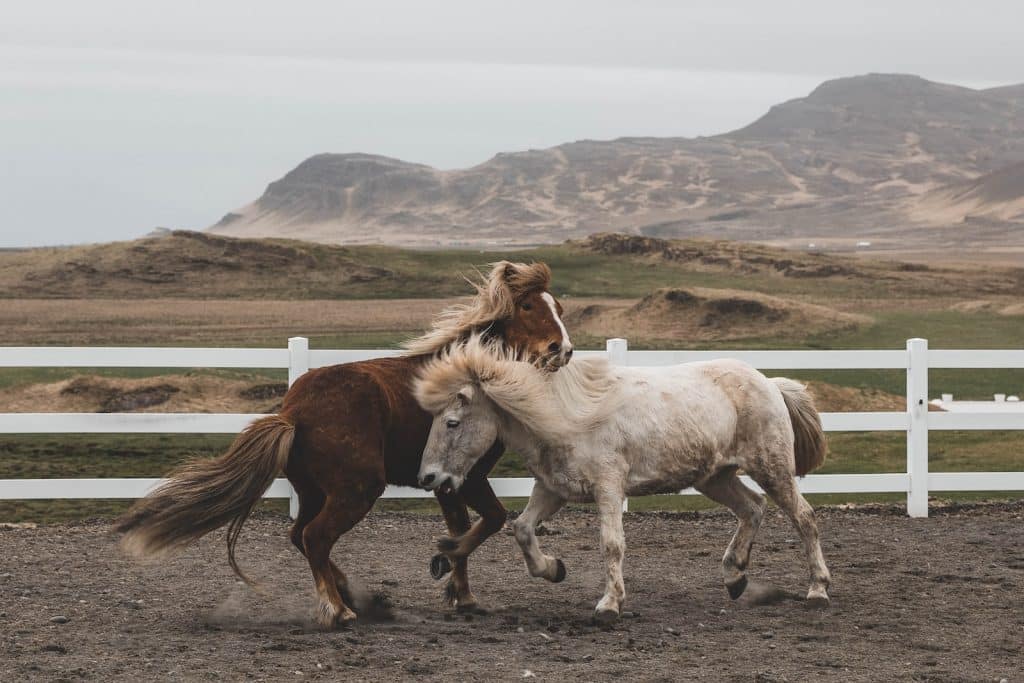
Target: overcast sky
117 116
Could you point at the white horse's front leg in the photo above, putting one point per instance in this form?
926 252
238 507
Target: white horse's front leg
542 505
613 547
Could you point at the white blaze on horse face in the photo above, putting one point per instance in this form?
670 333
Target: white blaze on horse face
566 344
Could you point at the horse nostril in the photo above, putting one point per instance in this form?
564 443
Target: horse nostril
554 347
428 480
568 354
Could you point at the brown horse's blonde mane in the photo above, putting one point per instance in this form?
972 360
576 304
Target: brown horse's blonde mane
495 300
553 405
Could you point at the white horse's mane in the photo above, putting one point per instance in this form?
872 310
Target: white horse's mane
554 406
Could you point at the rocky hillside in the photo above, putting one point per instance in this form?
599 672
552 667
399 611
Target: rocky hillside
858 159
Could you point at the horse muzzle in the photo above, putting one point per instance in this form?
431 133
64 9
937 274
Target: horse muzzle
552 362
441 482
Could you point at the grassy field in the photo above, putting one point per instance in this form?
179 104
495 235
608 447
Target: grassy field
200 266
374 297
149 455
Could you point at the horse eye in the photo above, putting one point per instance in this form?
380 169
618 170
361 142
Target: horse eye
527 306
452 423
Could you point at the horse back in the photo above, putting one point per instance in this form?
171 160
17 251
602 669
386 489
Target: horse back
359 416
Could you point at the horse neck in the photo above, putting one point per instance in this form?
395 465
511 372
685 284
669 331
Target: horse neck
578 398
518 437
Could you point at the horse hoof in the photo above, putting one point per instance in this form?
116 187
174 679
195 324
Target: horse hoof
329 619
439 566
736 588
605 617
471 608
819 601
559 572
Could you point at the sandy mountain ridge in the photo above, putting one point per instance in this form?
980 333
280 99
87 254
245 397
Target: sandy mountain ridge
997 196
886 158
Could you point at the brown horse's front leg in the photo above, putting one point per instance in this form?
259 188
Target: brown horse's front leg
455 551
456 516
478 494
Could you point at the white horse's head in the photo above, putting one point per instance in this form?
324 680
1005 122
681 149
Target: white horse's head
478 391
461 433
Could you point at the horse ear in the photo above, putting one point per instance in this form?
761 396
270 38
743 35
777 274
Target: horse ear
508 271
465 395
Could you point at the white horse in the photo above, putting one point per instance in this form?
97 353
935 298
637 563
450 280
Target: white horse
594 432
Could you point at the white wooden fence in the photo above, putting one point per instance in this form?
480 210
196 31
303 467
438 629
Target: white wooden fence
915 421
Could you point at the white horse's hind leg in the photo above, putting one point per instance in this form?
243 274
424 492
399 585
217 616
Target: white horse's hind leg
613 547
542 505
787 496
726 489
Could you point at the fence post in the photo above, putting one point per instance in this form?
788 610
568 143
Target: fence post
618 350
298 365
917 429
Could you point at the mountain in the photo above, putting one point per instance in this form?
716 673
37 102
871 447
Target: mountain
860 158
996 196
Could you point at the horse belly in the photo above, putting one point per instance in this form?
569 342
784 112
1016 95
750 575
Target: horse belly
570 484
667 477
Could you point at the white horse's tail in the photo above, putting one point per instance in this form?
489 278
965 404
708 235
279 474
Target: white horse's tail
809 445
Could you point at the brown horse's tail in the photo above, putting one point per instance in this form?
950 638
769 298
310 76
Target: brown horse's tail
809 445
206 494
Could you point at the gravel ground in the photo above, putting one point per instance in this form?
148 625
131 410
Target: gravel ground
937 599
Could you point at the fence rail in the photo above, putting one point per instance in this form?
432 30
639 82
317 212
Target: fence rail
297 358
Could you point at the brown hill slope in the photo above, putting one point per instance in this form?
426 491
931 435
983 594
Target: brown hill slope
191 265
183 263
841 163
771 269
699 314
198 393
191 393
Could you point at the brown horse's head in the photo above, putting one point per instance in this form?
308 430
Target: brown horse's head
534 327
512 304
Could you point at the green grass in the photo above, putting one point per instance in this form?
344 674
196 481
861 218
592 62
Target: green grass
151 455
978 384
577 273
148 455
943 328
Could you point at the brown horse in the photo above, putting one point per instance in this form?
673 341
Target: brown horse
346 431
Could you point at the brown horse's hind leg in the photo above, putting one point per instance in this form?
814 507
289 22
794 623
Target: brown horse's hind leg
726 489
787 496
339 514
311 501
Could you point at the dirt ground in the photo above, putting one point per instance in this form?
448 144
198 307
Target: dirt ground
936 599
